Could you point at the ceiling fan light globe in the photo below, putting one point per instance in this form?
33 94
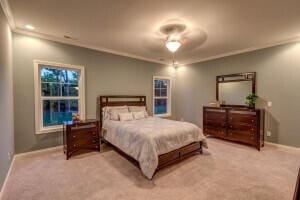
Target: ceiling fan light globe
173 45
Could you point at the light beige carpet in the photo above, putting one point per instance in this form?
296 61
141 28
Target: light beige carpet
225 171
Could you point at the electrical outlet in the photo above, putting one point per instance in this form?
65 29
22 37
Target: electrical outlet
268 133
269 103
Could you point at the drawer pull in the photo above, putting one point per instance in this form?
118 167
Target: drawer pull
251 137
74 136
230 126
94 133
252 129
252 120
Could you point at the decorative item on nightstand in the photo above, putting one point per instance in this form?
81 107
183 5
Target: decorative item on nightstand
78 135
75 117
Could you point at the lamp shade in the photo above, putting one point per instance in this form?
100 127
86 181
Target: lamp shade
173 45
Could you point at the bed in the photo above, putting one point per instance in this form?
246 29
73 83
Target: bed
151 143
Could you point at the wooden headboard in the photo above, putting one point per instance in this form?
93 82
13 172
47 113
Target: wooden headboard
118 100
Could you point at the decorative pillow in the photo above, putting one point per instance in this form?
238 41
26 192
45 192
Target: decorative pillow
138 115
125 116
112 112
138 109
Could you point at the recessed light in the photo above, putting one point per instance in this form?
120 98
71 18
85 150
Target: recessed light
29 27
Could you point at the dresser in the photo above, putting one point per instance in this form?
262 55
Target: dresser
80 135
244 125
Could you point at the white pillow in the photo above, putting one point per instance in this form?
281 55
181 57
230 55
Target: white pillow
125 116
137 109
112 112
138 115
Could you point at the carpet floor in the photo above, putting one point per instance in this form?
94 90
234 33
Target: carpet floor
225 171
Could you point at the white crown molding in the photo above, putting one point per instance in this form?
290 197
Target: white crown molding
254 48
7 11
82 44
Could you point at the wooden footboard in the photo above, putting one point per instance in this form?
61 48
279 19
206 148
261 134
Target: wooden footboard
167 158
179 154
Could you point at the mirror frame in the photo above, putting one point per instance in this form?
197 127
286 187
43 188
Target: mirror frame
247 76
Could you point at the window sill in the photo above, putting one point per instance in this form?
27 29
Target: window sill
49 130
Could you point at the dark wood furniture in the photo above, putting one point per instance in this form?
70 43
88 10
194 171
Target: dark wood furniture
297 188
163 160
80 135
245 125
239 77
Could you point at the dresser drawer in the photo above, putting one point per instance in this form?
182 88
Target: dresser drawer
251 128
240 118
219 116
246 137
215 123
215 131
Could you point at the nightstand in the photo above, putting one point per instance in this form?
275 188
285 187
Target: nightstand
80 135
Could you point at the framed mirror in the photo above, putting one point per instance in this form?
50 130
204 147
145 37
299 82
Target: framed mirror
232 89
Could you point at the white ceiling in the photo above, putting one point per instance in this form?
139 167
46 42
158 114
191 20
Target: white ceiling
215 28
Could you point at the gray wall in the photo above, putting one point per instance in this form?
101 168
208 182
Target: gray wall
105 74
6 98
278 72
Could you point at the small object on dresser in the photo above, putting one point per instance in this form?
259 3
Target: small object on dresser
78 135
213 104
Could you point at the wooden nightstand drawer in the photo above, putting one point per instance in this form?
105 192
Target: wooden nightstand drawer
81 135
84 143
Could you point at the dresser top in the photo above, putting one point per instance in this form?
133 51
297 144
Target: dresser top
233 108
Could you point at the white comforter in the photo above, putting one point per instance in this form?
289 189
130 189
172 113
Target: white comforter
148 138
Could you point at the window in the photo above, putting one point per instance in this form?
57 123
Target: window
162 96
59 92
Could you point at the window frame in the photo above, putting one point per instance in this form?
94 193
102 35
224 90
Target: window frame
168 97
39 129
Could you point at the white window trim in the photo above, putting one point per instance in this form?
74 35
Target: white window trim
169 106
39 129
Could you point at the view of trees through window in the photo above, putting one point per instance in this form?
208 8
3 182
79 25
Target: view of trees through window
59 93
161 96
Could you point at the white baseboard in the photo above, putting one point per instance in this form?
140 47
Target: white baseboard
6 178
21 155
283 146
39 151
